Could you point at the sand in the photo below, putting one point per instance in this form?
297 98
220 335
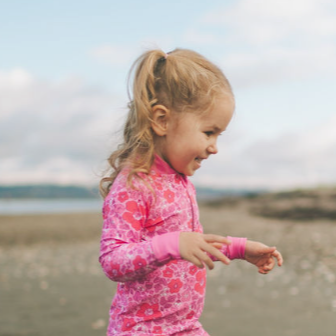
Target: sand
51 282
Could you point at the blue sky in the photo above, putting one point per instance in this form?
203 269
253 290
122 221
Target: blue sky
63 69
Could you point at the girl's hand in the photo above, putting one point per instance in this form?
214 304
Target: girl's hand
262 256
195 247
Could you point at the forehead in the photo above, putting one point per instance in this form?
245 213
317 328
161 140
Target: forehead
220 113
217 116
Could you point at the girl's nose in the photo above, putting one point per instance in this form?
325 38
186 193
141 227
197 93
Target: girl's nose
213 149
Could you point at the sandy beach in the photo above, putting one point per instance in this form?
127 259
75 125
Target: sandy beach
51 282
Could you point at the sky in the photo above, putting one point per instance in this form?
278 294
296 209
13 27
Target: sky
63 85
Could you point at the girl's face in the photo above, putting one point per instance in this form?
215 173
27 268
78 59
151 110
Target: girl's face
192 137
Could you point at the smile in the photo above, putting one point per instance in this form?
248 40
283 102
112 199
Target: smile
199 160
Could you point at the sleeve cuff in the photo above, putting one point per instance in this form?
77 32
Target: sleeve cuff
166 246
237 248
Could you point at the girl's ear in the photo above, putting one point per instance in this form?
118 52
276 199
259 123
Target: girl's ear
160 119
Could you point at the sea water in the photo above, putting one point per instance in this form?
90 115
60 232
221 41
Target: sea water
45 206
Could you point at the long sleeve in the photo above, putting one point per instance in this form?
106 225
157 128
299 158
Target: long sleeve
124 254
237 248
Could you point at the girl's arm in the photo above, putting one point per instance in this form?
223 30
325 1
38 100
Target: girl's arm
124 255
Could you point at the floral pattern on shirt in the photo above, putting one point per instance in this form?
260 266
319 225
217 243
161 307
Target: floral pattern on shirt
152 298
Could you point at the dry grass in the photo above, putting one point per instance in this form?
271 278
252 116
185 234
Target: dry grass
49 229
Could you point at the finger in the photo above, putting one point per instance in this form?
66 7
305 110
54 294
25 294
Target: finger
204 259
217 245
278 256
194 260
270 265
212 238
216 253
263 270
267 249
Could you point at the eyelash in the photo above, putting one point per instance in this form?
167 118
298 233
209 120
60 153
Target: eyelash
211 133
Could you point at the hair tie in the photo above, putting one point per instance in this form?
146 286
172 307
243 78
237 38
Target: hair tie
162 59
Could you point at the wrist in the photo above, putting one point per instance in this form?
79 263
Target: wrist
237 248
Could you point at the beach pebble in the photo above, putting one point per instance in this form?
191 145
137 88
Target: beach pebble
99 324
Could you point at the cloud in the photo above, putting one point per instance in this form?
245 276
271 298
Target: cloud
260 21
53 132
273 65
116 55
275 41
286 161
199 37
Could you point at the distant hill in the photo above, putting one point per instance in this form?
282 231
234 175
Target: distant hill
58 191
48 191
204 193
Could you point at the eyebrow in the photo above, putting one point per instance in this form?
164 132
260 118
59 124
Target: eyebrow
217 129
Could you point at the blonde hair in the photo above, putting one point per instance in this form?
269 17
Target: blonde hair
181 80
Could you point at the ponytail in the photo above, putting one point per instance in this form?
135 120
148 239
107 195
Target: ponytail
137 149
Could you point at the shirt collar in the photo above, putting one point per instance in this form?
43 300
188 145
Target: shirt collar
160 166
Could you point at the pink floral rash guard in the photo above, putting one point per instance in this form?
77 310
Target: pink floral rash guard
158 293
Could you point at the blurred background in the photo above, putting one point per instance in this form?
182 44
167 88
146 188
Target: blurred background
63 97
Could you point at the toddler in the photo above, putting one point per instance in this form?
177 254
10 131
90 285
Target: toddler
152 241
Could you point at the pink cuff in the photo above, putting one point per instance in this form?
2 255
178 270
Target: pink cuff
166 246
237 248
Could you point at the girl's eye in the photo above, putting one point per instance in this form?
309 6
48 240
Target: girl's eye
208 133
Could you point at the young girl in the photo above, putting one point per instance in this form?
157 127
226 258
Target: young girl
152 241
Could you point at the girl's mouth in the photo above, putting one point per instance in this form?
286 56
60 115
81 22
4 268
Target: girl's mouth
199 161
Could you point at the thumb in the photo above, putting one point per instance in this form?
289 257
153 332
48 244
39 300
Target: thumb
267 249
